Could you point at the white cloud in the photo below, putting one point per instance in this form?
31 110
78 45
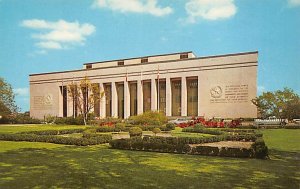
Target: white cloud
21 91
49 45
209 9
60 34
134 6
294 3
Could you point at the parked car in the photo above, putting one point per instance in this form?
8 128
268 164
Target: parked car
296 121
179 121
272 120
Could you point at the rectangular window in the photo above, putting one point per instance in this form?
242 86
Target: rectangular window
133 98
120 93
89 66
192 96
184 56
176 97
144 60
64 93
161 95
146 96
120 63
107 90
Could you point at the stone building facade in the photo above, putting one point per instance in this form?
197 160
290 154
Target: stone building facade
178 84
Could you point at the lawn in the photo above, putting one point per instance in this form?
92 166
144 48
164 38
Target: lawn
178 133
19 128
42 165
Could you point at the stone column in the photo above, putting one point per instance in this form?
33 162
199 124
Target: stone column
200 113
102 102
114 100
183 97
126 100
153 95
139 97
168 97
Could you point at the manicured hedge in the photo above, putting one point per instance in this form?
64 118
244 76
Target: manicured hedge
203 130
54 132
292 127
239 130
100 139
127 127
224 151
181 145
260 149
157 144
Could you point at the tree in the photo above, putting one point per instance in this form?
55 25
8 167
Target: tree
7 98
85 95
282 104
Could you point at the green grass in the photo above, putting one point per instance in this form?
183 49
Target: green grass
283 139
25 128
43 165
178 132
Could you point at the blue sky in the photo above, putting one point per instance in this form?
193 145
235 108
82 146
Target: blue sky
44 36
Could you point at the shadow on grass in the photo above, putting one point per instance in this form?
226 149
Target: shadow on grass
101 167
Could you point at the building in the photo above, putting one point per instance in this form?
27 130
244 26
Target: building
212 86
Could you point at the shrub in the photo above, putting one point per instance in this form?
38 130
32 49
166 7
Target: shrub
69 120
156 130
135 132
105 129
200 129
199 126
149 118
170 126
205 150
158 144
54 132
260 149
57 139
292 126
19 118
120 127
110 121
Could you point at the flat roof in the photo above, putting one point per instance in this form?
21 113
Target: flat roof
139 57
204 57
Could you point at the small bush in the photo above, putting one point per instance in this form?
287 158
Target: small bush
120 127
170 126
156 130
69 120
105 129
149 118
135 132
260 149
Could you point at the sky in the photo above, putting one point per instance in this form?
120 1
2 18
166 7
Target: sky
45 36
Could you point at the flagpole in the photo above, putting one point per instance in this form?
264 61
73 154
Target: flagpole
158 88
62 91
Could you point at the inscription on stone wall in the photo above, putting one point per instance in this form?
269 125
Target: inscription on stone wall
229 94
43 102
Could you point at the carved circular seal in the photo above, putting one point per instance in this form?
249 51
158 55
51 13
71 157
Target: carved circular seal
48 99
216 92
